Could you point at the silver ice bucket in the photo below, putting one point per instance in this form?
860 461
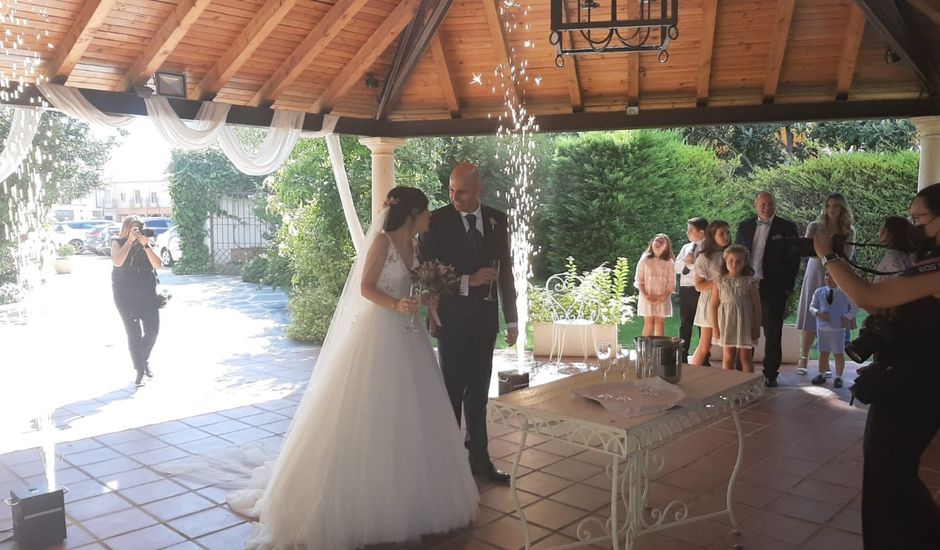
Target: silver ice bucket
659 356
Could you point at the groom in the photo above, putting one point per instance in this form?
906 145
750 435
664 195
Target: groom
472 238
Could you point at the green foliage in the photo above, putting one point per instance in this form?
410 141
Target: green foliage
254 269
601 291
875 136
65 250
198 180
610 193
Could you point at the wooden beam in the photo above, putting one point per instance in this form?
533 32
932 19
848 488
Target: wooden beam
500 45
778 47
443 73
374 47
633 65
706 49
889 21
930 8
79 36
571 69
411 48
261 25
850 47
304 54
163 43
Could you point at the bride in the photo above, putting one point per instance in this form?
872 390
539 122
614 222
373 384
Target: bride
373 454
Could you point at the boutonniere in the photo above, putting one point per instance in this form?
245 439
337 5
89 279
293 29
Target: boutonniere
493 223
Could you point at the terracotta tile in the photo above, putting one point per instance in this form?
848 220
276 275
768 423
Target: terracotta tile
185 545
696 480
160 455
130 478
150 492
507 533
73 447
535 459
262 418
583 496
29 469
752 495
780 527
110 467
204 445
699 534
67 476
465 543
76 536
117 438
165 428
727 425
97 506
573 470
85 489
786 464
815 511
485 515
180 505
19 457
246 436
91 457
593 457
139 446
560 448
711 503
552 541
542 484
828 539
661 541
118 523
848 520
551 515
661 494
500 448
217 495
205 420
500 498
184 436
823 490
280 427
751 541
156 536
241 412
226 539
840 475
771 479
205 522
588 528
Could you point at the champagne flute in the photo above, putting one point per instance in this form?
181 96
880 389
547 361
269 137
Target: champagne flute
603 357
623 361
413 292
490 293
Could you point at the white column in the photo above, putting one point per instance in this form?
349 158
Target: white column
383 168
929 130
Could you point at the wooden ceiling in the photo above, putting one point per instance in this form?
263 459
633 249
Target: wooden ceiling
734 60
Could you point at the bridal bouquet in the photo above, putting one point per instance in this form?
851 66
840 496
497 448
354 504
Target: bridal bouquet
436 278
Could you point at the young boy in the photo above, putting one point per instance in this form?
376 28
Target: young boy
834 314
688 296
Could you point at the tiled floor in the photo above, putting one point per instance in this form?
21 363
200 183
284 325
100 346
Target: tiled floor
799 489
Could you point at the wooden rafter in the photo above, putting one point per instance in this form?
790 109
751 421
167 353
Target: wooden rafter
850 47
415 41
173 30
930 8
375 46
501 44
443 73
79 36
706 50
571 72
240 51
887 18
778 46
633 65
304 54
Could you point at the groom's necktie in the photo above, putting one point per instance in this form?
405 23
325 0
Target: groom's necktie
476 239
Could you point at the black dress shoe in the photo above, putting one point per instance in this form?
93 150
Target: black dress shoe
139 381
148 372
490 472
770 382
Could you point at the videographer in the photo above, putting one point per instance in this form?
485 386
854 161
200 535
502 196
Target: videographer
134 282
898 511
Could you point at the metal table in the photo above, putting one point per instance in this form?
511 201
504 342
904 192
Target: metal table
552 411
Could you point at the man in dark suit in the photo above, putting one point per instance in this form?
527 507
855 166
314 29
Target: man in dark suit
765 236
475 240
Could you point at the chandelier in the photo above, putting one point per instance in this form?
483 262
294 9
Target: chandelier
631 26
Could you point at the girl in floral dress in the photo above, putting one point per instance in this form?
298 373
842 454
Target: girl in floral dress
656 280
735 309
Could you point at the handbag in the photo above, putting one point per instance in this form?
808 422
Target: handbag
162 294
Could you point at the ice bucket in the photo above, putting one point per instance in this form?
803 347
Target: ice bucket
660 356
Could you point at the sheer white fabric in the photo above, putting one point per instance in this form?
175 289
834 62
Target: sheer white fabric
19 141
71 102
202 131
278 144
345 195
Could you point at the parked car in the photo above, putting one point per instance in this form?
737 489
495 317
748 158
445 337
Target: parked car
98 240
74 232
159 225
168 246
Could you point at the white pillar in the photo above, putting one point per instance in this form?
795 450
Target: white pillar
383 168
929 130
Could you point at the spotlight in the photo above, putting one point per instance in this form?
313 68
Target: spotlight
891 56
170 84
371 82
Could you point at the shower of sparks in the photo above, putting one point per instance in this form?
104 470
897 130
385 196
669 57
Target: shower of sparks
477 79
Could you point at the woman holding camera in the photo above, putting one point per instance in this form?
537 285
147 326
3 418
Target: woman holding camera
898 511
134 282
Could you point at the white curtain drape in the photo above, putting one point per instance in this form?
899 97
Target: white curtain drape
200 132
18 142
345 195
278 144
71 102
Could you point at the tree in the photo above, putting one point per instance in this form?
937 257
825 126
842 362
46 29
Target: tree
876 136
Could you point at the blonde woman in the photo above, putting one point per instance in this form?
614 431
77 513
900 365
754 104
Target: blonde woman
134 282
836 219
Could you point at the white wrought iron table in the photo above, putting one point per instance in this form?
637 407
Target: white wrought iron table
552 411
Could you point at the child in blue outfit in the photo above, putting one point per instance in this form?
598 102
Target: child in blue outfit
834 314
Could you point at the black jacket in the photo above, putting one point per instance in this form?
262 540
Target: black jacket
779 270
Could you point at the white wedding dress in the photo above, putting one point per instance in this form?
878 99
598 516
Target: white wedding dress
374 454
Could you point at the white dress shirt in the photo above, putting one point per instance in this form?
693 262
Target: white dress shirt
687 279
761 233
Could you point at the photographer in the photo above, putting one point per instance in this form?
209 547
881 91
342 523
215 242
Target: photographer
898 511
134 283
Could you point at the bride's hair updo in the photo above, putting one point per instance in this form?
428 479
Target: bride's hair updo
403 202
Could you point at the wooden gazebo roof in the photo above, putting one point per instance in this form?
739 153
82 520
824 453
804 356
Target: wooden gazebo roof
407 67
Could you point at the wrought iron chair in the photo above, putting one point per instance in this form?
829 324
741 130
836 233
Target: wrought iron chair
572 308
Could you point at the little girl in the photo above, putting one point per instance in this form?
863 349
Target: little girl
735 309
656 279
708 267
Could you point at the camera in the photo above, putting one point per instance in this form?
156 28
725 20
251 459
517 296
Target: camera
147 232
877 332
802 247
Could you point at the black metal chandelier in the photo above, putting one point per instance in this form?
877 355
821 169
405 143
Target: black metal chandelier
646 25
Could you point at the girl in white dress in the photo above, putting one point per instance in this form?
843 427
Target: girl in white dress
374 454
735 310
895 234
708 265
656 280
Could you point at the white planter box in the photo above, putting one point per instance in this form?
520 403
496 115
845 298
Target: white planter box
790 344
62 265
542 339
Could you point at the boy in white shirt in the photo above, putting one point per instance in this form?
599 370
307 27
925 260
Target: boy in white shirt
688 296
834 313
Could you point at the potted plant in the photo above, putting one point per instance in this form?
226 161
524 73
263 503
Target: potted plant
63 263
602 290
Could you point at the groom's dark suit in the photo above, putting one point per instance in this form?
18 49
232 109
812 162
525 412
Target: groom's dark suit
779 276
469 324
